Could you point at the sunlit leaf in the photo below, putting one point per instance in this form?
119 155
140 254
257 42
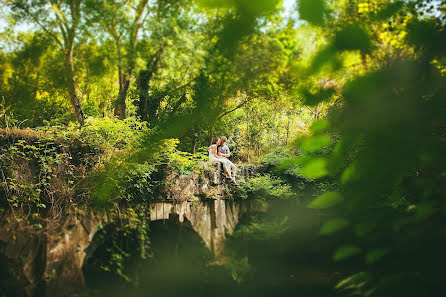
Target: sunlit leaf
346 251
355 278
216 3
350 174
334 225
326 200
319 126
315 168
316 142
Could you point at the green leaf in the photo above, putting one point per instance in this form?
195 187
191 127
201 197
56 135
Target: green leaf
364 228
315 168
350 174
424 211
352 279
334 225
319 126
375 255
346 251
313 11
314 97
316 143
326 200
352 37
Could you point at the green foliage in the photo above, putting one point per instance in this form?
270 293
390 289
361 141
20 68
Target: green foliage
256 230
40 172
355 282
386 152
275 158
315 167
263 230
142 176
369 74
346 251
264 187
137 184
178 161
352 37
113 133
334 225
326 200
316 143
375 255
313 11
122 241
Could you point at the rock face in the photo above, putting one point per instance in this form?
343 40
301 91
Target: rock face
209 183
51 264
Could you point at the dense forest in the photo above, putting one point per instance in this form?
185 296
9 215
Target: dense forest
338 105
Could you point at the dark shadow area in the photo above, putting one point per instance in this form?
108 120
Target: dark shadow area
10 284
113 258
278 253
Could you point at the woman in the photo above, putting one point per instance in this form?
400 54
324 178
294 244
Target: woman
213 156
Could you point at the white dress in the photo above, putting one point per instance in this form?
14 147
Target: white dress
224 161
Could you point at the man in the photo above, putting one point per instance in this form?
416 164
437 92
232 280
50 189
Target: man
224 152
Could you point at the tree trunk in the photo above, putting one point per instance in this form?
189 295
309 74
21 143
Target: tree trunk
71 84
126 74
247 134
143 84
317 109
120 107
194 141
211 135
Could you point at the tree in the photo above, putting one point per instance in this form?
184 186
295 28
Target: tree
123 21
60 20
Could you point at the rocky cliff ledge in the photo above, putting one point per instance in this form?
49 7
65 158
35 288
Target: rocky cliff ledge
210 183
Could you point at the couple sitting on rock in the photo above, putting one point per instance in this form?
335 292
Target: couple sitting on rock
219 152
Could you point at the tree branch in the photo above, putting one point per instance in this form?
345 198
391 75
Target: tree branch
234 109
37 21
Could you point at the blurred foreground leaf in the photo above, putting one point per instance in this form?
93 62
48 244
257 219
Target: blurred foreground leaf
313 11
315 168
352 37
334 225
319 126
346 251
326 200
375 255
315 143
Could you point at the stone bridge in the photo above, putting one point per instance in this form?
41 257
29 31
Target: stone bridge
53 262
212 220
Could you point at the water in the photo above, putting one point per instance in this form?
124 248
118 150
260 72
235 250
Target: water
226 248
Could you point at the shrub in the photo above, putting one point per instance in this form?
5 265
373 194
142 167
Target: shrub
264 187
40 173
113 133
132 181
